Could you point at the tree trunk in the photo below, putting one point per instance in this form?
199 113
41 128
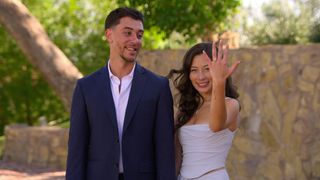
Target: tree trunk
30 36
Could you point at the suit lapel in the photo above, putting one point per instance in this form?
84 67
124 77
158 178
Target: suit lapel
107 98
136 92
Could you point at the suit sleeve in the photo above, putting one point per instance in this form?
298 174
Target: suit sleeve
164 135
78 137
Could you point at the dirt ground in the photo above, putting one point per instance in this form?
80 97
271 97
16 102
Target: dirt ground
15 171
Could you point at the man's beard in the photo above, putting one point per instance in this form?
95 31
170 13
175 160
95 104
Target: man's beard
127 60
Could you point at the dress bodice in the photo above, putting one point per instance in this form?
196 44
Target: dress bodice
203 150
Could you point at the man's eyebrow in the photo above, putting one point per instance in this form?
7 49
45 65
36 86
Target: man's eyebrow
130 28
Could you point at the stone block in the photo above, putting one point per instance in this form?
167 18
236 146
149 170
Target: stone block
39 146
306 86
310 73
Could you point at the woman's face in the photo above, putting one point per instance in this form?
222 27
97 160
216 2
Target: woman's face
200 75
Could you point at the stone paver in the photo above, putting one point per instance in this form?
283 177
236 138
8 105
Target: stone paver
15 171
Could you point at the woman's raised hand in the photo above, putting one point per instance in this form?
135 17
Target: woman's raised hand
218 66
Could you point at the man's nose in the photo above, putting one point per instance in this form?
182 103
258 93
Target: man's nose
135 39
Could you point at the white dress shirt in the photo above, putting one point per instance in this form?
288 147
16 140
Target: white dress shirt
120 89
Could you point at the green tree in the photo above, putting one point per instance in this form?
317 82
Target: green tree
285 22
313 6
315 32
191 18
24 94
77 28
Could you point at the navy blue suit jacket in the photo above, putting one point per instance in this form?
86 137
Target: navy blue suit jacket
147 139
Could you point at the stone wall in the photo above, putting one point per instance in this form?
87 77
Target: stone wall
38 146
279 134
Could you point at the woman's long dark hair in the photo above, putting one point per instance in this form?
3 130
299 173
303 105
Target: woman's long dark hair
188 97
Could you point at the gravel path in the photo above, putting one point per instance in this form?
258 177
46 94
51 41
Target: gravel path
15 171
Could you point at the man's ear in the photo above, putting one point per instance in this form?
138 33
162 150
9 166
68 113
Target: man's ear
108 35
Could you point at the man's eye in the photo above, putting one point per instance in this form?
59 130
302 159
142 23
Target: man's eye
128 33
140 36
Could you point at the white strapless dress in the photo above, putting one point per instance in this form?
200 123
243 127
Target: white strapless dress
204 152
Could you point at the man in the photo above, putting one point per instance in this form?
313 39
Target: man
122 115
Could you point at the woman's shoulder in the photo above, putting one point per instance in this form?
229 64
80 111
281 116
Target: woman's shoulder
232 103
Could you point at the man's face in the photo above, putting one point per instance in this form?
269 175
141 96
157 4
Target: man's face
125 39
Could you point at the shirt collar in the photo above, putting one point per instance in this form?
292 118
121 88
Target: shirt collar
128 75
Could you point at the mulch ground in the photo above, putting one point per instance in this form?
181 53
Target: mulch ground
15 171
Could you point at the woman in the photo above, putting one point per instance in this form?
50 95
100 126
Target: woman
208 112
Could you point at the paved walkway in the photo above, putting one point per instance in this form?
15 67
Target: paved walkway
14 171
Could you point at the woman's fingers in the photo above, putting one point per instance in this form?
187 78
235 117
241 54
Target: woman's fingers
207 57
225 54
233 68
220 61
221 55
220 50
214 51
